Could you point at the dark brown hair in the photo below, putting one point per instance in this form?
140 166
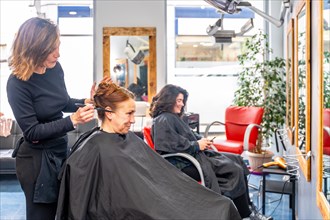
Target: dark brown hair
35 40
109 94
165 100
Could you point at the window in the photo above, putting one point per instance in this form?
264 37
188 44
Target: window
206 66
75 20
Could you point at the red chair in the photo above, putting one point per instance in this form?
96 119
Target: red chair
147 137
326 131
148 140
241 129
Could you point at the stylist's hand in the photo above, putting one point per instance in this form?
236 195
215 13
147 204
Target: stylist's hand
204 143
92 93
83 115
106 79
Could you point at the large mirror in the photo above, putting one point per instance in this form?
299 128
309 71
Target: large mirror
302 82
290 81
323 183
120 45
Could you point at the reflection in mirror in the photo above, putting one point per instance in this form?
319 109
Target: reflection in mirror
302 80
133 49
140 83
323 182
326 101
120 72
132 75
302 83
290 81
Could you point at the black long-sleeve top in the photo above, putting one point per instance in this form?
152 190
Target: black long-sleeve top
38 104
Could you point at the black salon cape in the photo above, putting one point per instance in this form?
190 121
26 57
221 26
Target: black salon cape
224 173
112 176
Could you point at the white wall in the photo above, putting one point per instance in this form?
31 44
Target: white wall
126 13
275 33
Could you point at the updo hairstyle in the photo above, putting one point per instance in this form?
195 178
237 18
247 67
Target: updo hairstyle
109 94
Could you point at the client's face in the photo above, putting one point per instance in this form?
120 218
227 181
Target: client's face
123 117
178 104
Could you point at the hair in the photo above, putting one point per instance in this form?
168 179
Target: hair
165 100
108 94
117 68
35 40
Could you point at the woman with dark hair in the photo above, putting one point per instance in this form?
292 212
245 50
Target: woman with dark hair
223 173
38 97
113 174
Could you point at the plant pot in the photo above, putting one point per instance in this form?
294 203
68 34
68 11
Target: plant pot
256 160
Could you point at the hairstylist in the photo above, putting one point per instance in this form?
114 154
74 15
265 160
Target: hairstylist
38 97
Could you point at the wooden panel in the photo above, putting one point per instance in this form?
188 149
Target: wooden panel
302 87
133 31
129 31
152 76
106 56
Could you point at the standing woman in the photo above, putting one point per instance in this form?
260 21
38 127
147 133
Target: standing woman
38 97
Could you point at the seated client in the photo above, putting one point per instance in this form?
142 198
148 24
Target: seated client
112 174
223 173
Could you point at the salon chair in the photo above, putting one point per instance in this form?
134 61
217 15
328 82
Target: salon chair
191 159
241 125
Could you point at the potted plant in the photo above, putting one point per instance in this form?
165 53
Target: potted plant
262 83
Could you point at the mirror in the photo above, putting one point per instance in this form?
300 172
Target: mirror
290 81
124 71
302 82
323 181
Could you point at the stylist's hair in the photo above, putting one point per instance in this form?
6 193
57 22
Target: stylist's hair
109 94
35 40
165 100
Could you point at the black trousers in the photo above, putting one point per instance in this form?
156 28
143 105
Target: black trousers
28 162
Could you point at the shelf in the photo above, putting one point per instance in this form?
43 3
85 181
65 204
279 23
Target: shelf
275 186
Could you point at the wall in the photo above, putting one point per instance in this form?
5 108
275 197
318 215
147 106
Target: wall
126 13
306 192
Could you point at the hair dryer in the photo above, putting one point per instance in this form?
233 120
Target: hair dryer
134 56
278 161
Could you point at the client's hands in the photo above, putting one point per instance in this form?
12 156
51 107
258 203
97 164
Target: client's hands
204 143
83 115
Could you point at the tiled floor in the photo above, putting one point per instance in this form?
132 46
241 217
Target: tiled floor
12 200
12 203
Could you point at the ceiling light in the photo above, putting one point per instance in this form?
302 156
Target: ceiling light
234 6
72 13
225 6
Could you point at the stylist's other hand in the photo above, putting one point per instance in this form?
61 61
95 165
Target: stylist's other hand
106 79
83 115
204 143
92 93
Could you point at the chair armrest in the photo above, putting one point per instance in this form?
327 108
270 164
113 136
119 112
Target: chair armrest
247 135
327 129
209 126
192 160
